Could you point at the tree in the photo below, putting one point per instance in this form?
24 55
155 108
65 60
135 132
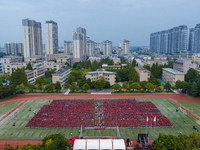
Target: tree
94 65
134 62
189 88
116 87
149 86
191 75
107 84
178 84
135 86
21 88
185 86
39 81
102 82
167 86
143 84
58 86
132 76
117 78
48 73
18 77
194 90
85 87
29 66
125 85
73 87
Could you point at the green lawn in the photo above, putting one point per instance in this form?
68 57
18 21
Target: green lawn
193 107
4 108
8 131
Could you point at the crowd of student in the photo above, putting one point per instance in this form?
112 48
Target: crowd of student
130 113
65 113
89 113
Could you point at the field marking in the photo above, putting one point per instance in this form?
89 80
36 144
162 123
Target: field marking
12 110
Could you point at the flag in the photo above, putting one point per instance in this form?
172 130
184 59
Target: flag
154 119
147 119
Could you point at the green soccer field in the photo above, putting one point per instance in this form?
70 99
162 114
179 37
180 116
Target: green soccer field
23 115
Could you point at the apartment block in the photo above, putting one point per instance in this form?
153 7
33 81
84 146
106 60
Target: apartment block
94 75
53 65
143 74
172 75
14 48
169 41
184 65
32 75
9 67
11 59
61 76
36 59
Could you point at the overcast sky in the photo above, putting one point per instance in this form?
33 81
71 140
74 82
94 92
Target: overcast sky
112 20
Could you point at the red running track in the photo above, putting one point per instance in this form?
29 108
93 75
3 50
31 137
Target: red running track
169 96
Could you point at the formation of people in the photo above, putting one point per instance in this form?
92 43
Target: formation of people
98 113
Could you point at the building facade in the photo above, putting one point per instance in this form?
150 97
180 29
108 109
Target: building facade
61 76
33 74
51 29
143 74
68 47
184 65
14 48
194 39
94 75
126 46
169 41
107 48
32 38
172 75
11 59
90 48
79 44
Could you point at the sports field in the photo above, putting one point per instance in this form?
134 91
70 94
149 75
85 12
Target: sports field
22 116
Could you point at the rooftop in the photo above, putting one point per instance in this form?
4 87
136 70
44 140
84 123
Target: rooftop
62 71
173 71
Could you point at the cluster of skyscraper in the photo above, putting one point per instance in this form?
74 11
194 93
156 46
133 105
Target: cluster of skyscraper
80 47
175 40
169 41
194 39
32 37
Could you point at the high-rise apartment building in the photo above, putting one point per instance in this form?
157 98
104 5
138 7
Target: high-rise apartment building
126 46
169 41
90 48
194 39
51 29
14 48
32 37
79 44
68 47
107 48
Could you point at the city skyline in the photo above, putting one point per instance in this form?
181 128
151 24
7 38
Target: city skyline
113 20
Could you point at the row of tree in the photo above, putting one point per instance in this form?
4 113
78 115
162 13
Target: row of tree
191 85
180 142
